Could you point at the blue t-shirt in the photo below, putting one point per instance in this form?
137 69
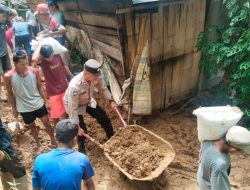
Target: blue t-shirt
21 28
61 169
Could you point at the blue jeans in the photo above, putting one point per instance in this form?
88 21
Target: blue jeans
23 41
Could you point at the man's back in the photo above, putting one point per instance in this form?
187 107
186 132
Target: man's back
61 169
55 79
213 168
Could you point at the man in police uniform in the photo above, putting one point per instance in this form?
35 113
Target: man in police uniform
79 98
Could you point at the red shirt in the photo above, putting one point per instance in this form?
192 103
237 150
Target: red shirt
55 79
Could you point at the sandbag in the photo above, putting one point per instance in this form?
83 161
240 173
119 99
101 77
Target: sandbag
214 122
57 47
239 137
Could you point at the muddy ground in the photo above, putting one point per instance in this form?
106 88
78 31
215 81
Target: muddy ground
179 130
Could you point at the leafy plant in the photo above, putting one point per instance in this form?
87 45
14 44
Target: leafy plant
77 57
230 51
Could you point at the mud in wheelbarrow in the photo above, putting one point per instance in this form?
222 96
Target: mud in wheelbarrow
138 153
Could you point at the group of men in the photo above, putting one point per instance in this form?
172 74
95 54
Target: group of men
65 99
63 168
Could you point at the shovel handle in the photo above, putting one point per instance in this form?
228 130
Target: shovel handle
93 140
120 116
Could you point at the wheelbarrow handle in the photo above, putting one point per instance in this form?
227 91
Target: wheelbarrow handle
120 116
93 140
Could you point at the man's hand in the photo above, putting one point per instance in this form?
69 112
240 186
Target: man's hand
80 132
2 155
113 104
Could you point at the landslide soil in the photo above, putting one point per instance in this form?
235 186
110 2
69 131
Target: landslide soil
179 130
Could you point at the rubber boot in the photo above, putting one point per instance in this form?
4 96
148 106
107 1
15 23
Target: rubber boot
6 177
22 183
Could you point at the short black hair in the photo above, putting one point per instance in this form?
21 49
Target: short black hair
66 130
20 54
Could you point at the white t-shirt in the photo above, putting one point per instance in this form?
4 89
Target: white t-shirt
31 18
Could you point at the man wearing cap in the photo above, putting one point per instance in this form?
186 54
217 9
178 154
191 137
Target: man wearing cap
52 27
26 96
79 98
55 79
63 168
4 56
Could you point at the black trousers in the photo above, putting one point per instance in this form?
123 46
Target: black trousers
100 115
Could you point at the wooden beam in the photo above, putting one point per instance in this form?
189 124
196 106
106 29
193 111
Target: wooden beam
107 39
113 52
102 20
150 6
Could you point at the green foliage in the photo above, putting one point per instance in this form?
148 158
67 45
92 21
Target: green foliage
77 57
230 51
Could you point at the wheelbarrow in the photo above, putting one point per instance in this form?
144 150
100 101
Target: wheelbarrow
166 150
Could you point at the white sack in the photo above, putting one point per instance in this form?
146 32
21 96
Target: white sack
214 122
57 47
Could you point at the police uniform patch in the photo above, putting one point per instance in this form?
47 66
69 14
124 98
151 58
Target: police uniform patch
75 93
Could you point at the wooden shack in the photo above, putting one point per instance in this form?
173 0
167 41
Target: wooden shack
120 29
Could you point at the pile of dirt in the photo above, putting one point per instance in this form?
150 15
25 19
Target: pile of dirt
135 151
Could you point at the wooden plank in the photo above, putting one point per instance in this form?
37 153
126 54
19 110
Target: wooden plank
121 30
101 30
99 7
200 21
168 31
177 50
102 20
131 39
177 78
190 29
157 29
156 90
150 6
65 5
73 17
183 25
186 83
115 53
196 70
167 82
107 39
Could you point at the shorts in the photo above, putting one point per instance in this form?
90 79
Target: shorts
4 64
56 106
29 117
13 165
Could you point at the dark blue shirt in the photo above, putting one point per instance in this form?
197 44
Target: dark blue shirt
5 138
61 169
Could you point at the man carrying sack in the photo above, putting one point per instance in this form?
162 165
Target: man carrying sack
215 163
